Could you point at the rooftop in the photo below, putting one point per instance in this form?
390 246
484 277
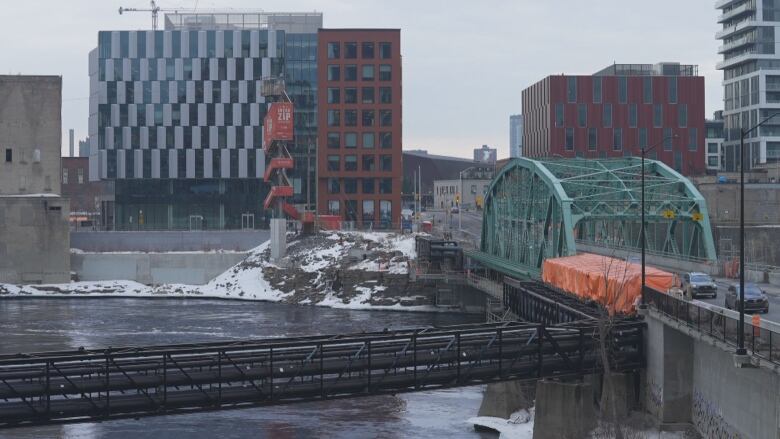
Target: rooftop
659 69
243 20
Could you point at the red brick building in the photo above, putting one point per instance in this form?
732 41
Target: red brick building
616 112
85 196
359 159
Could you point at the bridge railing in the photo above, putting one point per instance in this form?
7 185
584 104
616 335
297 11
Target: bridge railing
762 339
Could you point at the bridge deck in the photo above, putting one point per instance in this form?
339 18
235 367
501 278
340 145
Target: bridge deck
89 385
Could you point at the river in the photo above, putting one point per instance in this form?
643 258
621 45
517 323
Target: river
29 325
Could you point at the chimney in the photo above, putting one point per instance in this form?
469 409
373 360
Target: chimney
72 147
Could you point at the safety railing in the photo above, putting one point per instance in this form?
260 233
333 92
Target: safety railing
762 340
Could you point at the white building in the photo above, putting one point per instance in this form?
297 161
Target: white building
516 135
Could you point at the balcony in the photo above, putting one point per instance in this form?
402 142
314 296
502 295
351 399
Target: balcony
737 11
736 44
720 4
739 27
739 59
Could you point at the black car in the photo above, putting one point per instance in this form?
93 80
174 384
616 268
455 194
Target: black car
755 299
698 285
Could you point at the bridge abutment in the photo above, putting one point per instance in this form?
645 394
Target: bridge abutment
563 409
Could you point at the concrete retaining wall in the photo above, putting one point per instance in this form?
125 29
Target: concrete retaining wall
168 241
693 379
153 268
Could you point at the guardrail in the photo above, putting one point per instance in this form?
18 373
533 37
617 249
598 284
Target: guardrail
762 340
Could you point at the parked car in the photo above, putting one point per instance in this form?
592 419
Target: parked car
454 209
699 284
755 299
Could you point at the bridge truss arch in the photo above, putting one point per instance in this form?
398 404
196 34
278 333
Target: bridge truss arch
538 209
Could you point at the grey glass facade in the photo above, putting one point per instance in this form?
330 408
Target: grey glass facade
176 119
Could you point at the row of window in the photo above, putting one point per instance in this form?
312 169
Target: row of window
367 72
202 137
79 175
180 92
367 95
622 89
195 115
350 140
368 212
368 118
368 186
188 69
617 139
366 50
633 115
368 160
189 43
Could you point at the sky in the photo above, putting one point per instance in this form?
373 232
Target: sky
465 63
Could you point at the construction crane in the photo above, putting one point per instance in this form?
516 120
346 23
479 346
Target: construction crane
154 10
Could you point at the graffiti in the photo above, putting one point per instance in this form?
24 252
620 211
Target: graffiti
655 397
708 419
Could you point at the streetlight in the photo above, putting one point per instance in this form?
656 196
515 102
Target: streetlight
741 328
460 200
645 150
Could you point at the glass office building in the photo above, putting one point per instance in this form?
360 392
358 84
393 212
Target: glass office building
176 117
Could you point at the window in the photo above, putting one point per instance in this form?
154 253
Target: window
334 187
385 118
385 163
350 118
582 115
64 175
632 115
350 140
350 50
368 140
386 140
385 72
569 139
596 90
385 50
368 95
559 115
667 139
350 163
658 116
350 95
593 138
647 90
642 138
9 155
334 140
334 50
367 50
334 95
350 72
693 139
368 118
617 139
333 207
571 89
334 118
622 89
368 185
385 186
350 185
334 73
682 115
672 90
367 72
369 163
385 95
607 116
80 175
334 163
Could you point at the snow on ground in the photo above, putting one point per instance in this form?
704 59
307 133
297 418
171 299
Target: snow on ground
247 280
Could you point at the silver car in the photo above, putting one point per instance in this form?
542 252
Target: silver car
699 285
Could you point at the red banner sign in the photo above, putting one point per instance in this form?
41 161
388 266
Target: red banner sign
278 123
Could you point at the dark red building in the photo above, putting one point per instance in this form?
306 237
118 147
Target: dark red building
359 160
618 111
85 196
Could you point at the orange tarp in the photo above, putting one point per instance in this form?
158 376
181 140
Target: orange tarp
614 283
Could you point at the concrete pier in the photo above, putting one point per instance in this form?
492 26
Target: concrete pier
563 410
278 238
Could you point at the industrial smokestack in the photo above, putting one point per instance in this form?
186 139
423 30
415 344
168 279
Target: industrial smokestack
72 146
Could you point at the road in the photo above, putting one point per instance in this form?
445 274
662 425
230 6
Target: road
774 302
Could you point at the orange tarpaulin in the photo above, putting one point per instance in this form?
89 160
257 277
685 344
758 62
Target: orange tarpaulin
614 283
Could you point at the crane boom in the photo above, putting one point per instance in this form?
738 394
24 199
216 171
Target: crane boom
154 10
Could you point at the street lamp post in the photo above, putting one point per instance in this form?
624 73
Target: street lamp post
741 327
645 150
460 201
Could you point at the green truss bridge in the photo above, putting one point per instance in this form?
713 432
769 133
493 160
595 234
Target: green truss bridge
538 209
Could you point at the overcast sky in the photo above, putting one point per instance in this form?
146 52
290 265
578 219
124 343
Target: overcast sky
465 63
